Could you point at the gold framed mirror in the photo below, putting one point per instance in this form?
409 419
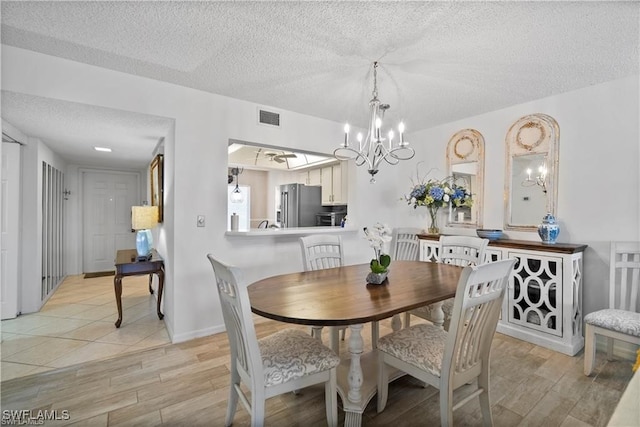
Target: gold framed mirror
531 174
465 167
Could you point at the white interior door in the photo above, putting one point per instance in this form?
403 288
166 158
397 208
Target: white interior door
10 226
107 200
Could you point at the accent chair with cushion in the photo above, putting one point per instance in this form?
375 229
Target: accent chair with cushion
285 361
450 359
621 321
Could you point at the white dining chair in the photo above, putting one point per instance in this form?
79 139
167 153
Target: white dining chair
285 361
621 321
450 359
322 251
405 246
457 250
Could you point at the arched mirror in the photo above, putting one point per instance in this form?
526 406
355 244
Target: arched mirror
465 167
531 178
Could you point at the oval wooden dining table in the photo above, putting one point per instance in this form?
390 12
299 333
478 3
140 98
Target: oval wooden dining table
341 296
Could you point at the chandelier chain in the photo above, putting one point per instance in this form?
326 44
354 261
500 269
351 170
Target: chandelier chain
375 80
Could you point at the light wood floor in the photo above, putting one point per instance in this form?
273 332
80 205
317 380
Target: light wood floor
187 385
77 325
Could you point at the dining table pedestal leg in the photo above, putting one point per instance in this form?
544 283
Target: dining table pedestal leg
396 323
356 347
437 315
351 378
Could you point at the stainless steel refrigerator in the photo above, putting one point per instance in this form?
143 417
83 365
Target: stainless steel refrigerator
299 205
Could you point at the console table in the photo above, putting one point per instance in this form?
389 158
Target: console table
126 265
543 304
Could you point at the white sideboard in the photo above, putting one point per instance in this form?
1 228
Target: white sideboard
543 304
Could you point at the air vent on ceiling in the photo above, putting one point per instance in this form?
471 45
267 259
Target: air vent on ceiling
269 118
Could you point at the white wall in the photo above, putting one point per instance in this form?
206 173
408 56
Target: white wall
598 168
195 172
34 152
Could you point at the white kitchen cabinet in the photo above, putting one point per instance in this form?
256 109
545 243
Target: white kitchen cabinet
543 304
314 177
303 177
310 177
334 187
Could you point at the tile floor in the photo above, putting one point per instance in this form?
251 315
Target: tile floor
77 325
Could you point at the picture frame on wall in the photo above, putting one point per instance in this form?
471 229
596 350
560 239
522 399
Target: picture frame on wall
157 184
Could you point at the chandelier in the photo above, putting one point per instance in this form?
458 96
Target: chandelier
373 149
540 179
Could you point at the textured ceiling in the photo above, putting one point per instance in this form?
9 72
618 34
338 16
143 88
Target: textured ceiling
440 61
75 129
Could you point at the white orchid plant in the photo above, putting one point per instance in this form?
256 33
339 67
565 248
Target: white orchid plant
378 236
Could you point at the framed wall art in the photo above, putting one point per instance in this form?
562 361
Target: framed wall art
157 181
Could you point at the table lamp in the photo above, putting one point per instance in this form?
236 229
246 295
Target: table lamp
143 219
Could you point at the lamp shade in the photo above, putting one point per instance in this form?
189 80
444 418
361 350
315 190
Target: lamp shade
144 217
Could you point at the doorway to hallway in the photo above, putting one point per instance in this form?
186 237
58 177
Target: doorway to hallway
106 212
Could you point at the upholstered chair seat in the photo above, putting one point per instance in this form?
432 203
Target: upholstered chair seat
292 354
421 346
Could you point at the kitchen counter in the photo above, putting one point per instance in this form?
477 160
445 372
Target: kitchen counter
297 231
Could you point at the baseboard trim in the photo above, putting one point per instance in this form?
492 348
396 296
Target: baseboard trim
186 336
99 274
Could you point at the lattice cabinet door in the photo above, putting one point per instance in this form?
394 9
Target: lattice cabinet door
429 250
535 294
543 304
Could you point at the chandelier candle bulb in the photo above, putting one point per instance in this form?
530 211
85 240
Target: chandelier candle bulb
346 135
359 138
401 131
390 139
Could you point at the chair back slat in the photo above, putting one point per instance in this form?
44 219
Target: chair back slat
624 277
475 316
461 250
405 245
321 251
236 311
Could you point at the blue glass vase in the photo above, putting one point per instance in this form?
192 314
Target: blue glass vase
549 229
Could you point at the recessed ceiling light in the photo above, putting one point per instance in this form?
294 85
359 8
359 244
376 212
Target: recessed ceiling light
108 150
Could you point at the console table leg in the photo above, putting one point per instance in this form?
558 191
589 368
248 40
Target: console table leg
150 282
160 274
117 286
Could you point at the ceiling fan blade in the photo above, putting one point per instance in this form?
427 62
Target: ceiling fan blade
278 159
287 156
